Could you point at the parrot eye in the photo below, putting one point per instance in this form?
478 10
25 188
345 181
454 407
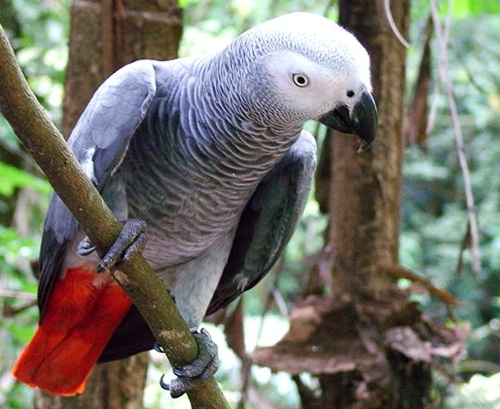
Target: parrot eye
350 93
300 80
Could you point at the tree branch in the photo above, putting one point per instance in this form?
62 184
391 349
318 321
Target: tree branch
442 34
42 139
398 271
394 27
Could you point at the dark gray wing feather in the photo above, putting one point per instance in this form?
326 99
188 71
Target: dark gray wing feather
132 336
268 222
99 141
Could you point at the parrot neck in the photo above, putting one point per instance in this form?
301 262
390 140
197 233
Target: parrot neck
237 151
244 103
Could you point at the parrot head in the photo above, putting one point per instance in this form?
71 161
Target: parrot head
303 66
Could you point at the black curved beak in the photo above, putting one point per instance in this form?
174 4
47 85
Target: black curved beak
362 120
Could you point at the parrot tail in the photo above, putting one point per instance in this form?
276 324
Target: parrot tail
82 314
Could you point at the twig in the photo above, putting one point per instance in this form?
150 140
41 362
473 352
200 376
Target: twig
42 139
10 311
246 377
17 294
433 110
280 302
401 272
276 271
392 24
444 71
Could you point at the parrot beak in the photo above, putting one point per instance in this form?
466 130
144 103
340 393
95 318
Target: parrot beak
361 120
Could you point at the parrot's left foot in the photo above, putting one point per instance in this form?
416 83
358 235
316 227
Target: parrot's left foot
132 238
192 375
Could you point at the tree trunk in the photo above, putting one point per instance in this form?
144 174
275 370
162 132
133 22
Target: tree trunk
368 345
105 35
365 188
364 201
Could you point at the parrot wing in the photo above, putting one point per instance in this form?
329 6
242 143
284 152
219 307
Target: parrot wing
99 142
132 336
268 222
265 227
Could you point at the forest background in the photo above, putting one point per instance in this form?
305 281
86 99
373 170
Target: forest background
434 241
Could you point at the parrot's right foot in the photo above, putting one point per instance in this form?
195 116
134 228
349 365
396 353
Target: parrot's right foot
192 375
132 238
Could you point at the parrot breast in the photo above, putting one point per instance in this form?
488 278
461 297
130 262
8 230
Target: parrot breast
189 180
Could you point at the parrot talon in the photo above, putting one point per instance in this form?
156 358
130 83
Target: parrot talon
207 359
158 348
85 247
204 367
176 388
131 239
163 384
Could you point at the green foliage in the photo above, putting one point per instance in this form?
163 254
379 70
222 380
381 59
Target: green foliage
38 34
210 24
435 220
17 290
14 178
480 393
467 8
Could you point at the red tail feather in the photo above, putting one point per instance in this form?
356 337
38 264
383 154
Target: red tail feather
83 312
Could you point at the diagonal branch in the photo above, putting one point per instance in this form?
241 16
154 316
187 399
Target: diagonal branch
398 271
42 139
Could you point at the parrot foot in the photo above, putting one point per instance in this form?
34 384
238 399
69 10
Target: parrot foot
192 375
132 238
85 247
158 348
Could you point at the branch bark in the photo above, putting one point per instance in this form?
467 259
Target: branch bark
43 140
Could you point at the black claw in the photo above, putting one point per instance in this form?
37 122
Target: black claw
202 331
163 384
158 348
175 388
204 366
207 359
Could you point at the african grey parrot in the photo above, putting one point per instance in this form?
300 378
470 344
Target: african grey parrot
210 153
